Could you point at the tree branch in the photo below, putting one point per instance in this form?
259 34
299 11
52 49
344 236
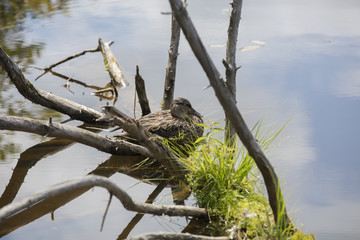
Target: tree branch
230 63
105 144
171 67
226 100
92 181
29 91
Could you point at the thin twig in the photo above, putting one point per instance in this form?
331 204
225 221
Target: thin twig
48 68
106 211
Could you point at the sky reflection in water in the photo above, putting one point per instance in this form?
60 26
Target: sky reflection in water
307 72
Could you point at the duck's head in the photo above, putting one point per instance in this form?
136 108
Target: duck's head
181 108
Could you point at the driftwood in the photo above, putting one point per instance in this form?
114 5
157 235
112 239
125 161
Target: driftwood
171 67
230 62
226 100
92 181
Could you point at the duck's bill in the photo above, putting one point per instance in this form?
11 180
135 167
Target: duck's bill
196 113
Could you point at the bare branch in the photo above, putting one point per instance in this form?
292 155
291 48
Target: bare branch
230 66
226 100
92 181
171 67
29 91
48 68
118 147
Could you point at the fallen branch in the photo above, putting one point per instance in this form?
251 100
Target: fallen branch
226 100
105 144
92 181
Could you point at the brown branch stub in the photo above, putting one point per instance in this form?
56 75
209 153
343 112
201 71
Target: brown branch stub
141 92
226 100
92 181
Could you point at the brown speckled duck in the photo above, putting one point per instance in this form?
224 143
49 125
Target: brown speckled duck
180 119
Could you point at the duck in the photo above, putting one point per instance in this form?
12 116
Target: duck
181 122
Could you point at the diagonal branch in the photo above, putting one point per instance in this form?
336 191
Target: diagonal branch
224 96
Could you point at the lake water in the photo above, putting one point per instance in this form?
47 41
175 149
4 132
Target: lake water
300 63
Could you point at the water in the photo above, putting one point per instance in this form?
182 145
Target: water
304 69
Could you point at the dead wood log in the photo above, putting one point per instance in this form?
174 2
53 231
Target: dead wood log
226 100
92 181
118 147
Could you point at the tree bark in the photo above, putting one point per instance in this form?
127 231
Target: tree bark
226 100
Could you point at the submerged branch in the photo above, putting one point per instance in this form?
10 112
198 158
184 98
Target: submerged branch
92 181
226 100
